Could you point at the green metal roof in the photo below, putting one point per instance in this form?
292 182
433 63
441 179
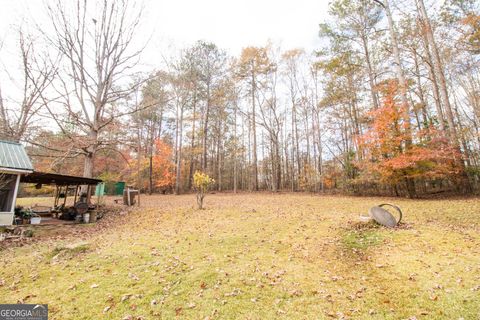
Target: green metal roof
14 156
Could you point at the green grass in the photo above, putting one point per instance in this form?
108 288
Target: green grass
69 251
257 256
362 240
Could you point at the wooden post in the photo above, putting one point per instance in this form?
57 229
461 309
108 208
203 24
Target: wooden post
88 194
65 197
55 203
76 193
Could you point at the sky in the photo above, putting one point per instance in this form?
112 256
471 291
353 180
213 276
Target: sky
236 24
230 24
169 25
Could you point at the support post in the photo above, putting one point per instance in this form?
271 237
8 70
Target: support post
65 197
76 193
88 194
55 203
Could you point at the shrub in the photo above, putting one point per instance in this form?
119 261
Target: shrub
201 183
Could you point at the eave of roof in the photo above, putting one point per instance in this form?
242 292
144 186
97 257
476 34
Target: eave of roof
57 179
13 170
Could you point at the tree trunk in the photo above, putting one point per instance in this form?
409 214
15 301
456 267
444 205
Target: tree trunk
179 153
436 91
438 67
192 143
88 165
235 149
421 95
439 73
400 74
150 173
219 157
371 76
278 163
205 132
254 129
90 154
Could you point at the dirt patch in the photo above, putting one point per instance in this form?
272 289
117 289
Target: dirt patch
112 216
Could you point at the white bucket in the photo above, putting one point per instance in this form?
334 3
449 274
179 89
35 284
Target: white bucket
35 220
86 217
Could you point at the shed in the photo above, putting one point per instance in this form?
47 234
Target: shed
14 162
63 183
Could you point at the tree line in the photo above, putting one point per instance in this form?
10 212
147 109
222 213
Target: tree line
389 104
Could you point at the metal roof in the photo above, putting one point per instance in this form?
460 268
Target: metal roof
14 156
57 179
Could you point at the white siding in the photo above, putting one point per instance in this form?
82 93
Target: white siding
6 218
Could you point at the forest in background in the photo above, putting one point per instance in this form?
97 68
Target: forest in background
389 105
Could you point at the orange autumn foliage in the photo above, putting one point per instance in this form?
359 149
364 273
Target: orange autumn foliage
387 133
163 166
163 169
389 158
472 34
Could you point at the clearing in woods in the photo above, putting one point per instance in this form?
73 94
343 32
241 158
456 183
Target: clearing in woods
257 256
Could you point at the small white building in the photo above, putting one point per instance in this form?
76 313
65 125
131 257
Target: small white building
14 162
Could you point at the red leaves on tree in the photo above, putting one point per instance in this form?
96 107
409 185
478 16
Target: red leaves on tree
163 166
388 155
163 169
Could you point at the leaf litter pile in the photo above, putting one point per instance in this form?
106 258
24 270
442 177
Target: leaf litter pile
256 256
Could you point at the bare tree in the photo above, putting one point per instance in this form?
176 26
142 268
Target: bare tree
402 82
253 64
437 68
211 63
181 97
155 98
442 82
37 71
94 39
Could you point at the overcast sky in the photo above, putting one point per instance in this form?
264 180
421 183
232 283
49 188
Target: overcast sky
232 25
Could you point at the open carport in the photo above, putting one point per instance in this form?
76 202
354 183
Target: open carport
65 186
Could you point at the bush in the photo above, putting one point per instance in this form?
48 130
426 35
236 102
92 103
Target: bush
201 183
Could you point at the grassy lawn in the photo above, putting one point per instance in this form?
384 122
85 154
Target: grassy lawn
257 256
